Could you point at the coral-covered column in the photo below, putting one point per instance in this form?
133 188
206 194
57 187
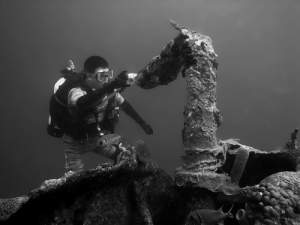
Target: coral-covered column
203 154
193 55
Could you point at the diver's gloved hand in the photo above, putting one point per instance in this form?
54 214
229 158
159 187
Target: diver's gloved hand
147 128
124 79
121 80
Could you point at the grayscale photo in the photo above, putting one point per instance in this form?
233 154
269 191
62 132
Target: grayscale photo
150 112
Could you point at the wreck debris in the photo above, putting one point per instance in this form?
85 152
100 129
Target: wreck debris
163 68
259 164
203 154
239 165
192 54
99 196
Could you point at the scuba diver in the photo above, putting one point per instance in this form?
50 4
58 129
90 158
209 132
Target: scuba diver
84 110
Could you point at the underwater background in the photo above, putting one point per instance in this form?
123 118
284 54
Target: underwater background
258 77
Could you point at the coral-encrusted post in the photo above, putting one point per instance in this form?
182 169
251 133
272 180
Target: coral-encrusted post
203 154
193 54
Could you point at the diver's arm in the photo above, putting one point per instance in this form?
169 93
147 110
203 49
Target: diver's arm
89 99
130 111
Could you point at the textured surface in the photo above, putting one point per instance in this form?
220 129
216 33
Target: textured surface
164 68
10 206
192 54
101 196
276 200
203 155
146 195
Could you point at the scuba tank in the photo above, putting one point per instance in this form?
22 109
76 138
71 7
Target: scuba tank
60 120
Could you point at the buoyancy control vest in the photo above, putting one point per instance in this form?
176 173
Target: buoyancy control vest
63 121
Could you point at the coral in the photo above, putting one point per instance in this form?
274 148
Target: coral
193 54
145 194
203 155
10 206
99 196
275 200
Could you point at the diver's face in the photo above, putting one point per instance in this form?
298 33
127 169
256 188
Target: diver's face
103 75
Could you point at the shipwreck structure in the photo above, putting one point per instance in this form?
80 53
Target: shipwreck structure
219 182
192 54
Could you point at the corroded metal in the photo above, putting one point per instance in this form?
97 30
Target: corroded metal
164 68
193 54
203 155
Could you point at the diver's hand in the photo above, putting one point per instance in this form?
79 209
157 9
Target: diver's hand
131 78
125 79
121 80
147 128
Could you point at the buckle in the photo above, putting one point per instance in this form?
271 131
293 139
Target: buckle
99 130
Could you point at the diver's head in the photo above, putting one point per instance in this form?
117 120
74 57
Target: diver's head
98 68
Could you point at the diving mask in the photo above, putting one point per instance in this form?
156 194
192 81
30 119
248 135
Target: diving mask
104 75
